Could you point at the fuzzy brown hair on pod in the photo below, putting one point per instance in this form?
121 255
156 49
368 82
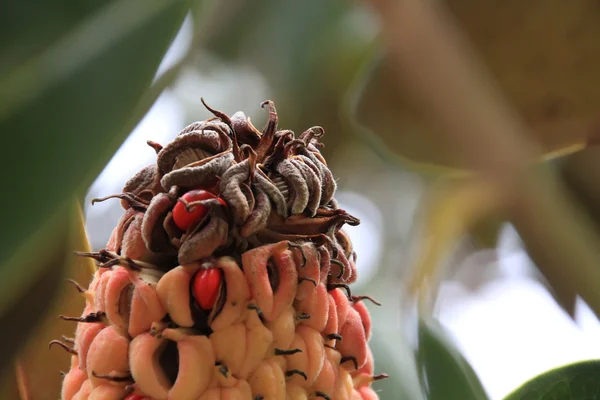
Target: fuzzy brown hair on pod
226 277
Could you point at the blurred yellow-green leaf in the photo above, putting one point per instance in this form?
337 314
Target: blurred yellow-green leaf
31 374
543 55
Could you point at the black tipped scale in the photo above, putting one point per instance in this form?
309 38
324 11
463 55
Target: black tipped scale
293 372
63 346
79 288
356 299
350 358
99 316
299 247
331 286
112 378
280 352
323 395
342 267
305 278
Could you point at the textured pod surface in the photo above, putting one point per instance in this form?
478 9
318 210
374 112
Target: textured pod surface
249 299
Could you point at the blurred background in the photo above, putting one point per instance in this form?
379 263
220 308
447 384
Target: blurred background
305 56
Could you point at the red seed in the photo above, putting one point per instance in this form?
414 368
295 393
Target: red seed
184 218
205 287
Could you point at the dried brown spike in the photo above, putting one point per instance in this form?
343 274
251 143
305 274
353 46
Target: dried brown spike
63 346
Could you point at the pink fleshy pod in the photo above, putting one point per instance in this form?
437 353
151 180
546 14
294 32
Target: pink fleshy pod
271 273
84 336
156 372
365 317
309 269
236 295
342 305
367 393
107 392
84 392
364 375
100 292
309 361
173 290
108 358
331 328
316 307
131 301
353 345
73 380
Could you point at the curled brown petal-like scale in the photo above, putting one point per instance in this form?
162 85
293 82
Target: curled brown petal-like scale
314 186
268 134
153 234
328 184
116 238
245 131
200 175
211 234
344 241
206 139
259 215
297 183
145 183
232 193
302 225
266 185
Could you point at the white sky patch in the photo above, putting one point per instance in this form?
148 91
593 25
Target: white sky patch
512 330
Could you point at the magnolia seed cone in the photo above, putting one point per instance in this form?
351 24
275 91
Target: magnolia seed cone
226 278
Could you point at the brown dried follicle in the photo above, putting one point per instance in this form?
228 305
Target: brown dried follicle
283 323
276 187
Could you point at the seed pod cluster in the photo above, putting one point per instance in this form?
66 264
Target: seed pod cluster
226 278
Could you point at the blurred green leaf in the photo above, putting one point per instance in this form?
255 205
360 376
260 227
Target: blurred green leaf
66 106
444 372
393 356
577 381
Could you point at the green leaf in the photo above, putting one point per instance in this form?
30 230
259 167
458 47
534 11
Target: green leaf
578 381
393 356
66 106
73 77
444 372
